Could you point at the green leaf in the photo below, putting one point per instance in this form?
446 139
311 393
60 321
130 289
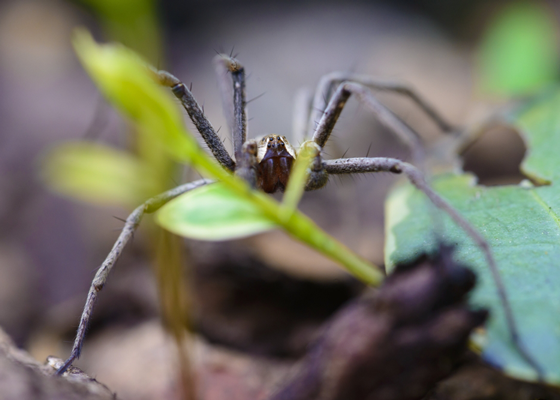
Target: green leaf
522 225
124 79
519 52
212 212
99 174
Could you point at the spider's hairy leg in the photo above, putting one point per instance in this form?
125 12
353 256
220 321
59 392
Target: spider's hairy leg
301 110
132 222
328 82
196 115
383 114
248 163
236 113
416 177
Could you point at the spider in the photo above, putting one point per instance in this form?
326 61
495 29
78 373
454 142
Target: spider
266 163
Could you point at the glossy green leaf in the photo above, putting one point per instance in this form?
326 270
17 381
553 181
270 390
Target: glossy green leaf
99 174
522 225
519 52
212 212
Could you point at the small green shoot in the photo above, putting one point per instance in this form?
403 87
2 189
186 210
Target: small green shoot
298 178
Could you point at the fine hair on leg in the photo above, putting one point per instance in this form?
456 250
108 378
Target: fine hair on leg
132 222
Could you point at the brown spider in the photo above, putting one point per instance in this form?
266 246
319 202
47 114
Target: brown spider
266 163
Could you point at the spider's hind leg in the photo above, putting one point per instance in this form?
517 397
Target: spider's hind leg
328 83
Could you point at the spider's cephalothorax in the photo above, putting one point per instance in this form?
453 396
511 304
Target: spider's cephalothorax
275 157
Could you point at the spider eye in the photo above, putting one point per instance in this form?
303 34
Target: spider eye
270 139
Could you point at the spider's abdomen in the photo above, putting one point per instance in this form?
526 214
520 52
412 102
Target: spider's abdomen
275 163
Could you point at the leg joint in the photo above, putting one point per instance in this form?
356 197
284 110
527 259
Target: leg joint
178 89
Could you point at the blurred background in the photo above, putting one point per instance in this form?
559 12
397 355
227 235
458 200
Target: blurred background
265 295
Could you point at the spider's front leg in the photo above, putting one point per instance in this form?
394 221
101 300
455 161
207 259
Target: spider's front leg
204 127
